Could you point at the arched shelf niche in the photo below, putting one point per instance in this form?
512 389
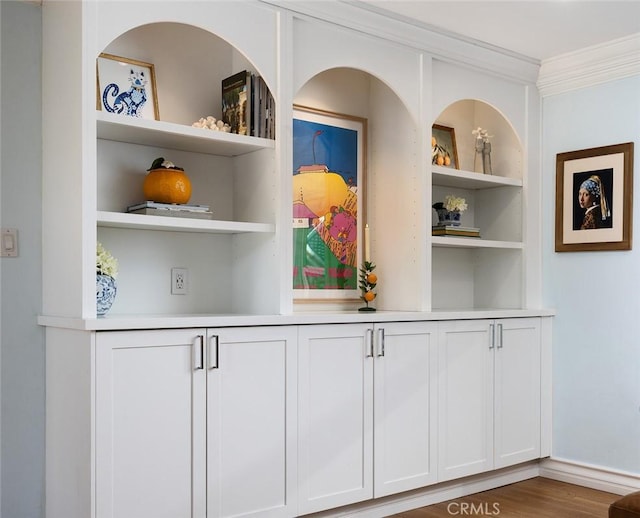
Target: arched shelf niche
506 148
394 180
190 64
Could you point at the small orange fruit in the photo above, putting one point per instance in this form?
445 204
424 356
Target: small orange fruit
369 296
372 278
440 160
447 160
167 186
433 142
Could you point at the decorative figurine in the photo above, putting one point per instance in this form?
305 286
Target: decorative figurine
482 157
368 281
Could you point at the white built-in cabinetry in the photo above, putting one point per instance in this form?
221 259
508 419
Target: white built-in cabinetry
489 395
241 262
236 400
287 420
195 422
366 407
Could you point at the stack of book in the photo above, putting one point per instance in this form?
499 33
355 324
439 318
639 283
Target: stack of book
450 230
175 210
248 106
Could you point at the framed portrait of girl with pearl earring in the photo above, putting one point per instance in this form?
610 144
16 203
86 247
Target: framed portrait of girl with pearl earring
594 199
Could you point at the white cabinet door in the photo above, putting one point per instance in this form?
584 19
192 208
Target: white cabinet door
465 400
335 415
517 391
150 425
405 372
251 449
489 395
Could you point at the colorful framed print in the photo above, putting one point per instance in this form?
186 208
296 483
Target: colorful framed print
443 147
127 87
594 199
329 172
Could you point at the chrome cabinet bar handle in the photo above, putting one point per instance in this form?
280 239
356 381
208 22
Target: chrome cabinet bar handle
214 351
198 353
492 336
499 336
381 342
369 344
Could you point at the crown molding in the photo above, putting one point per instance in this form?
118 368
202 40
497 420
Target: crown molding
440 44
610 61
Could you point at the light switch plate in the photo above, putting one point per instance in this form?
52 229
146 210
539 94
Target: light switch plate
9 242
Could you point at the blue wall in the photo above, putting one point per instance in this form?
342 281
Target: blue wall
596 343
22 340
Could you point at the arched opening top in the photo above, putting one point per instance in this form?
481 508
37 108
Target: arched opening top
465 117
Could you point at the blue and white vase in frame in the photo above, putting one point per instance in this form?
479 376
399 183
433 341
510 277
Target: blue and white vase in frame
105 293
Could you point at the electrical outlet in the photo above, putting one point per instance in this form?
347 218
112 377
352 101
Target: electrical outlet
179 281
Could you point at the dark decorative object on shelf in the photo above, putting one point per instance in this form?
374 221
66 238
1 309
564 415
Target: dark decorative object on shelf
449 211
447 217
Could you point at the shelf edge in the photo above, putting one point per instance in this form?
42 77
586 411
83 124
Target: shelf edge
168 223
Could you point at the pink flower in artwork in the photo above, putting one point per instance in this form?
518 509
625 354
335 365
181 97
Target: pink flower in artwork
343 227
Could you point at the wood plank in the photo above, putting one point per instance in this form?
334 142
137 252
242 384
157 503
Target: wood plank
534 498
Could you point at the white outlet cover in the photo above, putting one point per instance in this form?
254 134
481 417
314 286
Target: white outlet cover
179 281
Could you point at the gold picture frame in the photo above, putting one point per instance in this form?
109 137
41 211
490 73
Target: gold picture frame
445 145
594 199
126 86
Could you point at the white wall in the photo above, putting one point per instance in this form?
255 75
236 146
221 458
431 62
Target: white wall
22 341
596 372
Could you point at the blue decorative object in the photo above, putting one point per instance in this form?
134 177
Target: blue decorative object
105 293
448 217
131 101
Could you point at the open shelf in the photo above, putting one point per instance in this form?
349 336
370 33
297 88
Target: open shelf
447 177
169 135
488 271
150 222
472 242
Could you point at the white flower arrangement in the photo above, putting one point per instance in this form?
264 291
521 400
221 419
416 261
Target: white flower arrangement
481 134
453 203
106 264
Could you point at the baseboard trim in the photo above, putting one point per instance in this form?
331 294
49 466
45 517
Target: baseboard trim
586 475
595 477
382 507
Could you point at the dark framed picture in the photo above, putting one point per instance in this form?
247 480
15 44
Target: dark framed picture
594 199
329 170
127 87
443 147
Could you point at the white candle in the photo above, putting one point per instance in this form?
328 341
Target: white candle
367 244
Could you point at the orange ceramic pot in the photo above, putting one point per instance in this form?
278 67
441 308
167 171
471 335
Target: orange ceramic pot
167 186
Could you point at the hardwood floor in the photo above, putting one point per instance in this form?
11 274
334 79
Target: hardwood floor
534 498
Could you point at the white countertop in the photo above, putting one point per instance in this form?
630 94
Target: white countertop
113 322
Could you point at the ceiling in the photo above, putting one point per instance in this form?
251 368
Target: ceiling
537 29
